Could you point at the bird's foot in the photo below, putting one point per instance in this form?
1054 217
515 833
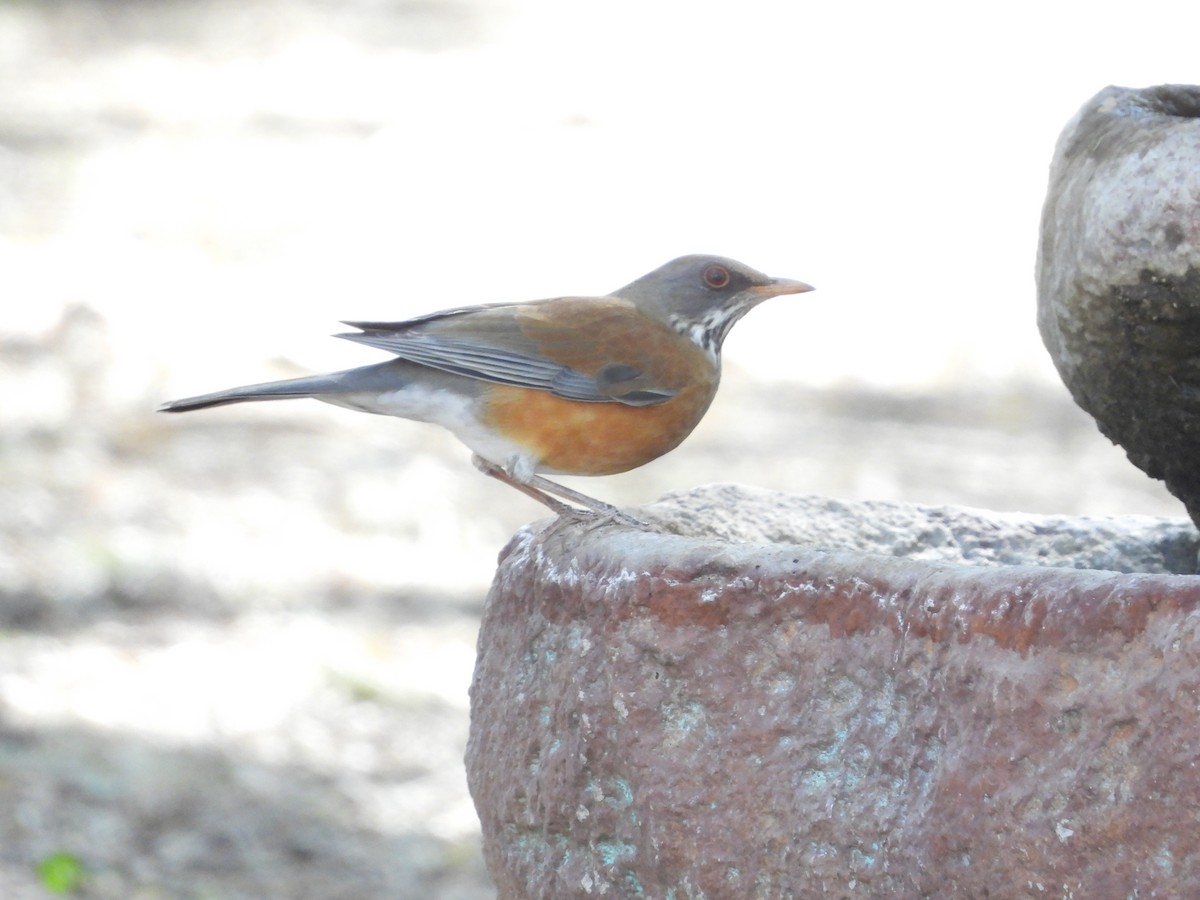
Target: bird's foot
595 518
541 489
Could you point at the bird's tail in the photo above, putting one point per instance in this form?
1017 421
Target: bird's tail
332 388
291 389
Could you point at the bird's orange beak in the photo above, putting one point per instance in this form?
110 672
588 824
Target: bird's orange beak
778 286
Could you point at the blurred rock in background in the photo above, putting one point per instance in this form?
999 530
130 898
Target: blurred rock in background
1119 275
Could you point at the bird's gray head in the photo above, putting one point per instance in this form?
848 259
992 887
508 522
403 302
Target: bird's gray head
702 296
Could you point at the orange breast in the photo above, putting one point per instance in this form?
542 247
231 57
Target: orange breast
582 438
573 438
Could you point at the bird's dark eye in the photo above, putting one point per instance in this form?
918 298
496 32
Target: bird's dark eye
716 276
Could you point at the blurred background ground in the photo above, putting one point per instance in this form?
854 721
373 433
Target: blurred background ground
235 647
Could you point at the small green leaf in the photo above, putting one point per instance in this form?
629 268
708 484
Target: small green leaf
60 873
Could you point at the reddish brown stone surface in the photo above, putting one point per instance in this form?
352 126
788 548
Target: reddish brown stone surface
656 715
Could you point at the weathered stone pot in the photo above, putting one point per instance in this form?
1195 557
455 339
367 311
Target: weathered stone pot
774 705
1118 274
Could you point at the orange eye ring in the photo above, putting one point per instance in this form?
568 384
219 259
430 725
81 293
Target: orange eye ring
716 277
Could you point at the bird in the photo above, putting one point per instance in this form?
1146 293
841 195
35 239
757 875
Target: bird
562 386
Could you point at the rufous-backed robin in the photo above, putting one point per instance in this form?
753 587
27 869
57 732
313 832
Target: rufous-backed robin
570 385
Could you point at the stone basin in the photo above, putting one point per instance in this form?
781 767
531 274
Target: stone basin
779 696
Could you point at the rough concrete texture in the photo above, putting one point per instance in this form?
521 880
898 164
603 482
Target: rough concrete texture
671 715
1118 275
744 514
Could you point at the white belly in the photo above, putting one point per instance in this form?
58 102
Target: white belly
458 414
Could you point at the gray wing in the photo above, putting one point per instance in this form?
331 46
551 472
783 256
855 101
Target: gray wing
501 356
